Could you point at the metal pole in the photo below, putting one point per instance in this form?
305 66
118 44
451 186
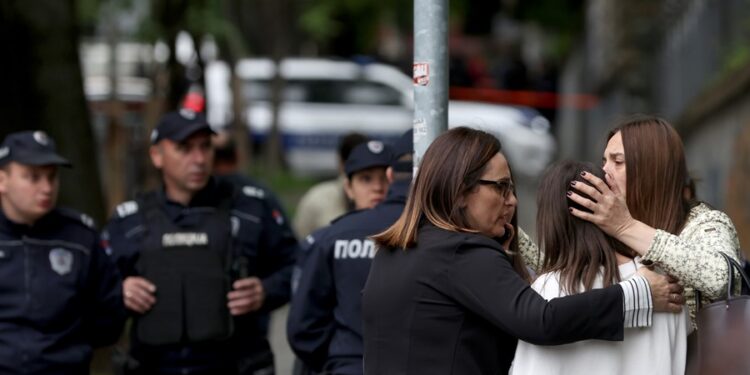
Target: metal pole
430 74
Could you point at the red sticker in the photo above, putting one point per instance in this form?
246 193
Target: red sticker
421 74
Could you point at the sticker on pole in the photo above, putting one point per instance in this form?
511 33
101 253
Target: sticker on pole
420 129
421 74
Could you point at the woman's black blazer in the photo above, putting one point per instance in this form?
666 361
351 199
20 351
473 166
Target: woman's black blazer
454 305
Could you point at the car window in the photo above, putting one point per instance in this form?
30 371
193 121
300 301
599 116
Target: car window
326 91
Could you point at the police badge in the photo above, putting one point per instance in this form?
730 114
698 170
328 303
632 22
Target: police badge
61 261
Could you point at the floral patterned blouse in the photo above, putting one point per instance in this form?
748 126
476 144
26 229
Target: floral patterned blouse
692 256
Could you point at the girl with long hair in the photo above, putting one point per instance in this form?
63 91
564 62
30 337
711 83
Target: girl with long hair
578 257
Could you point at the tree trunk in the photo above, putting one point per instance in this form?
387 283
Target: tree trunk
117 140
274 151
171 16
45 91
231 49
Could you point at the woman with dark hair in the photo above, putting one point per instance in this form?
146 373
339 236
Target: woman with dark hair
647 203
447 292
579 257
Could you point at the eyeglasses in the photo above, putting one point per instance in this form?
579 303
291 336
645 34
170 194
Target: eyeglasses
503 186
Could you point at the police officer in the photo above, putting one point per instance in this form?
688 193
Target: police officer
61 294
324 327
327 200
366 182
204 262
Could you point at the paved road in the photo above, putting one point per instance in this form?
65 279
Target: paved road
283 355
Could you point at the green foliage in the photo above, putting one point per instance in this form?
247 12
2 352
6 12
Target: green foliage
325 20
563 21
205 17
87 12
739 57
318 23
565 16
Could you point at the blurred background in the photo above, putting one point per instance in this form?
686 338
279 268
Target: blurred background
287 78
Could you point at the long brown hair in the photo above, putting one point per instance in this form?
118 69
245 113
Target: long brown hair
575 248
450 169
656 172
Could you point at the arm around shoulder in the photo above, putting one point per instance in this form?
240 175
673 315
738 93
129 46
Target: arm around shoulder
483 281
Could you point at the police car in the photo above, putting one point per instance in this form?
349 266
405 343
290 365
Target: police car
324 99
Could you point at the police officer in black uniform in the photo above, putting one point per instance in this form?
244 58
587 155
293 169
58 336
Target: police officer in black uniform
61 294
204 261
324 327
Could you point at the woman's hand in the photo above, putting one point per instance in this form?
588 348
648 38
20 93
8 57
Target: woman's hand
666 292
610 213
609 209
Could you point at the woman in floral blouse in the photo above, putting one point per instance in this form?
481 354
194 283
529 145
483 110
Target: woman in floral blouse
647 203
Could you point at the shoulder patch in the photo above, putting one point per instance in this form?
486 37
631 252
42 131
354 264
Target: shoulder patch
87 221
126 209
255 192
278 217
77 217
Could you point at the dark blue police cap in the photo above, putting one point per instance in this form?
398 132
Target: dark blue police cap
368 155
30 148
178 126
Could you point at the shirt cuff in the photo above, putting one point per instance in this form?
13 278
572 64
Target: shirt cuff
638 307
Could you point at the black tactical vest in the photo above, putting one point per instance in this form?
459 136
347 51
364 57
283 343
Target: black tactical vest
190 268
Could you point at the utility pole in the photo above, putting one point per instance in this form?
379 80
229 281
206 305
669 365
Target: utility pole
430 74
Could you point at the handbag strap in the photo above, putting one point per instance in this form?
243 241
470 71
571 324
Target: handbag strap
732 266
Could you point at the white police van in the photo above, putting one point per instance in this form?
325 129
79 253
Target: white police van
324 99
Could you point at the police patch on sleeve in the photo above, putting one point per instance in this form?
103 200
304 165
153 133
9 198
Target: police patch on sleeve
87 220
252 191
127 208
278 217
104 240
61 260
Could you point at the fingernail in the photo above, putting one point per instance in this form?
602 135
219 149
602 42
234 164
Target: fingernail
572 183
571 210
569 193
583 174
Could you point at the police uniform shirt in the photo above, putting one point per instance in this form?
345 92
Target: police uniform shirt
260 233
324 327
61 295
